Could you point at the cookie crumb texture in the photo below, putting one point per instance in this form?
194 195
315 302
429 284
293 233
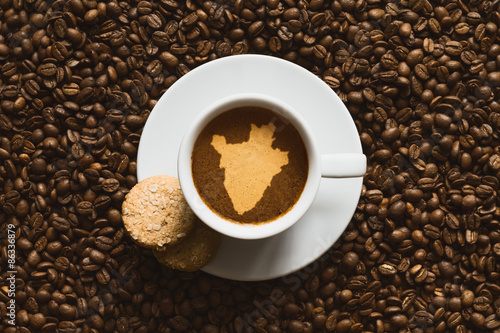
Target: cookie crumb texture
194 252
156 214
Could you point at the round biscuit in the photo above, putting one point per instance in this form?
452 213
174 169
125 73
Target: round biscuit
156 214
193 252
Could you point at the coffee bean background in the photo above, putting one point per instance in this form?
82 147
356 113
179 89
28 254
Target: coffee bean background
421 79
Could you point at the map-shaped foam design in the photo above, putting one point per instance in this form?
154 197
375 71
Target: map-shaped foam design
249 166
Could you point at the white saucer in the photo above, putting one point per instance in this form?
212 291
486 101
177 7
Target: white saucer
335 203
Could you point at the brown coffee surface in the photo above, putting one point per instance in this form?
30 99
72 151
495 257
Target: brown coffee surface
249 165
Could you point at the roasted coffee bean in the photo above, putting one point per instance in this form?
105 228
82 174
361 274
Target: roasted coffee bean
104 243
61 224
61 264
387 269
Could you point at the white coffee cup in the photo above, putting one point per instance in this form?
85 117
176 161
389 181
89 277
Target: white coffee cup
320 165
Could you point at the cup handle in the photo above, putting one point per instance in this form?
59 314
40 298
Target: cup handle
343 165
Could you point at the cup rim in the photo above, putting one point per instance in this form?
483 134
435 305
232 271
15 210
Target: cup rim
243 230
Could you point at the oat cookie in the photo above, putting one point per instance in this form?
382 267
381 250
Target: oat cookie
156 214
193 252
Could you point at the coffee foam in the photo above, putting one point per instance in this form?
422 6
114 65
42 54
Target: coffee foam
246 194
249 166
